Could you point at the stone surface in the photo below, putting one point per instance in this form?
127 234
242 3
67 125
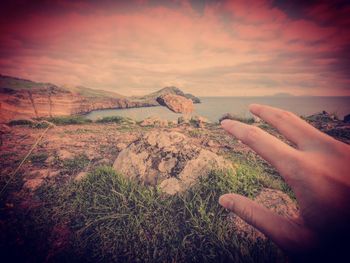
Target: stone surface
347 118
168 159
33 184
64 154
154 121
80 176
176 103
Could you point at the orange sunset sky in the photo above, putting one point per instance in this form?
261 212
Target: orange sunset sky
208 48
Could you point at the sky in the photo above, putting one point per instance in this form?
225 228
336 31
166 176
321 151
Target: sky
208 47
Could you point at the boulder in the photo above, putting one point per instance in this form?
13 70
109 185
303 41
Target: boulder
168 159
176 103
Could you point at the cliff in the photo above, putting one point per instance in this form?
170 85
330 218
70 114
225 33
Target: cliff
27 99
20 98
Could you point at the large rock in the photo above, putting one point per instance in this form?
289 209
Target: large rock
176 103
168 159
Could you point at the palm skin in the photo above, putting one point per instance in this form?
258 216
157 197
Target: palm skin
318 171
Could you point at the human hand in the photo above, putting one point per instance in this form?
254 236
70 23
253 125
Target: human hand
317 170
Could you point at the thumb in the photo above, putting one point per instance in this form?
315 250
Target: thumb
289 234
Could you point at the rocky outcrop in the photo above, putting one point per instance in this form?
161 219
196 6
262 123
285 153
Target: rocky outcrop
152 98
168 159
176 103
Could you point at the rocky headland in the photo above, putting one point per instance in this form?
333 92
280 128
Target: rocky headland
21 98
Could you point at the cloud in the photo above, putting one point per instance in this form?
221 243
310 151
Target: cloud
213 48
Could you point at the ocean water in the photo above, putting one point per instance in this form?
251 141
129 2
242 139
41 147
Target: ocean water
213 108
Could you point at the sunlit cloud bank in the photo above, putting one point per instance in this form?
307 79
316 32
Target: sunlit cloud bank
209 48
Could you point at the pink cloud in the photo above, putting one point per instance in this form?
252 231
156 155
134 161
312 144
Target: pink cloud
142 49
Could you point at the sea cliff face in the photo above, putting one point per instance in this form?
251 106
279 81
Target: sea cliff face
53 101
27 99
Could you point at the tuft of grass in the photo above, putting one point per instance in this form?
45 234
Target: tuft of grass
230 116
38 159
115 119
117 220
196 133
67 120
74 165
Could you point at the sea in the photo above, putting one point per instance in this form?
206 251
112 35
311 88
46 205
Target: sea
213 108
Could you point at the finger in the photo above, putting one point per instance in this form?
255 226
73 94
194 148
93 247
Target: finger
282 156
285 232
288 124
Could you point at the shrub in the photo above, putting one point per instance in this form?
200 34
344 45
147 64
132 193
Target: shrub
109 119
26 122
67 120
230 116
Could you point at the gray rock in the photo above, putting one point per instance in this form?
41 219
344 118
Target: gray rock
168 159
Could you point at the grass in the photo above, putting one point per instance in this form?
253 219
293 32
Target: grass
115 119
113 219
67 120
196 133
74 165
38 159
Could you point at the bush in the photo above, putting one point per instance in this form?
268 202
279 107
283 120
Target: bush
67 120
230 116
114 119
38 123
21 122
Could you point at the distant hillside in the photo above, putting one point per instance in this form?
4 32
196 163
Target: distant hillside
283 94
16 84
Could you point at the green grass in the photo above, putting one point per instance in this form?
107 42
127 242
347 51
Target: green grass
114 219
67 120
74 165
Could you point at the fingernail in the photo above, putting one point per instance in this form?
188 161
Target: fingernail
224 201
225 123
253 107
